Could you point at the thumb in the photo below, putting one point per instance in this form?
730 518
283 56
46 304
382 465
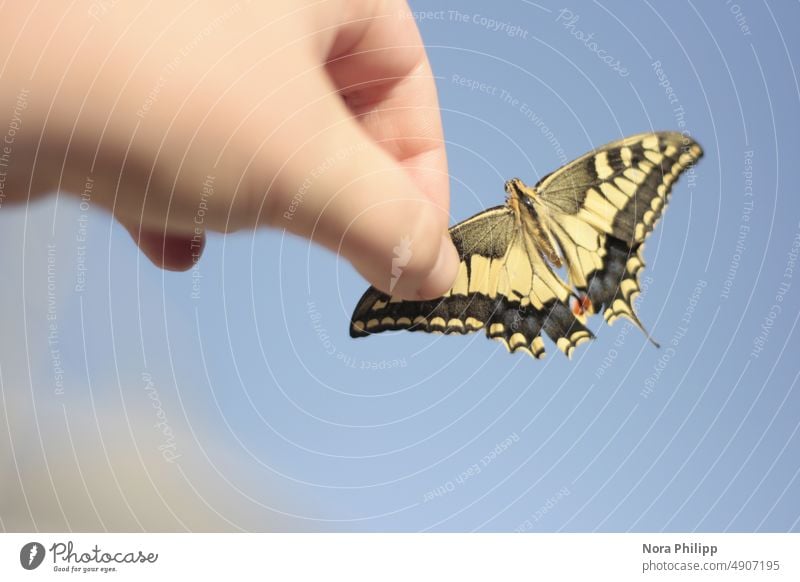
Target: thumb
342 190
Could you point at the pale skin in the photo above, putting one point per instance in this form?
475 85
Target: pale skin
318 117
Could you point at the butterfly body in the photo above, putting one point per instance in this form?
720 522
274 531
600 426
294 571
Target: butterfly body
590 217
522 200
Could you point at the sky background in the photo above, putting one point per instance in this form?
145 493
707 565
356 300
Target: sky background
232 397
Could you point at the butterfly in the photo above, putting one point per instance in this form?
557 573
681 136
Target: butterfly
588 220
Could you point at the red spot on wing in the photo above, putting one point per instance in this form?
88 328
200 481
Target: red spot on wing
581 305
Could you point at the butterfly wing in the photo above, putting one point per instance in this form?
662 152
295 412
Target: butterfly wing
503 285
602 207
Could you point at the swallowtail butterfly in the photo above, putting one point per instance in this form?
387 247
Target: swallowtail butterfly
590 217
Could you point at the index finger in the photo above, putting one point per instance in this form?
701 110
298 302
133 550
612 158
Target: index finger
385 77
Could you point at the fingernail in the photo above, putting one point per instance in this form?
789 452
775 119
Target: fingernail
444 272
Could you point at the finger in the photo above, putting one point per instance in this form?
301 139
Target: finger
169 251
380 67
341 189
407 124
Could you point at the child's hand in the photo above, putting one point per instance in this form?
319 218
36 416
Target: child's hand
318 117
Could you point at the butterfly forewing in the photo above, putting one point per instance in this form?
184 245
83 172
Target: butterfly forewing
500 287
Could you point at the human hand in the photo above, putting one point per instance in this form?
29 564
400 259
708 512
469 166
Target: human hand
321 118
